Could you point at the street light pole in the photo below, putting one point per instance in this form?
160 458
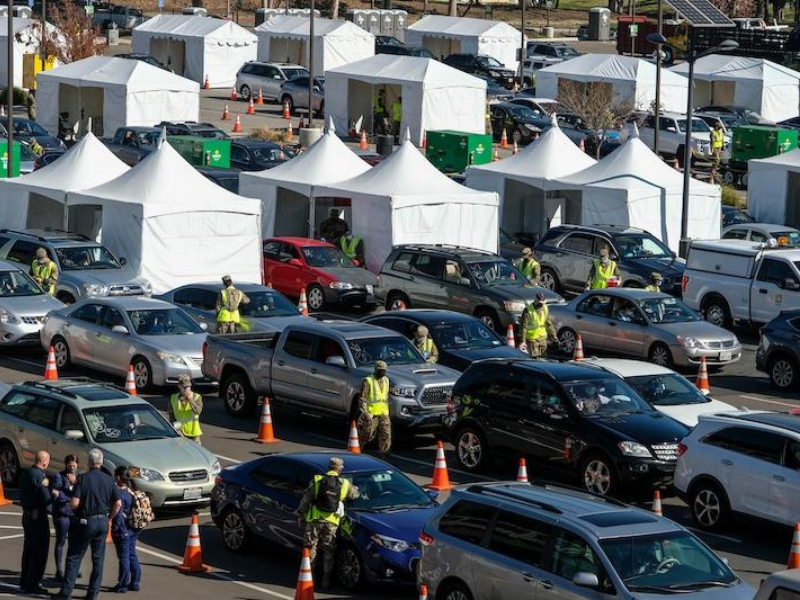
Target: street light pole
311 66
687 141
522 49
658 77
10 86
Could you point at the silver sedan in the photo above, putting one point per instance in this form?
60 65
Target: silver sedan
108 334
652 326
23 305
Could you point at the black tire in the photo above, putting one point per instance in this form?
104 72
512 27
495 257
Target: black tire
65 297
454 591
716 311
394 299
567 339
472 450
316 298
549 280
669 55
598 475
709 505
142 373
245 92
235 534
321 111
783 372
489 318
349 567
237 395
9 464
660 355
63 355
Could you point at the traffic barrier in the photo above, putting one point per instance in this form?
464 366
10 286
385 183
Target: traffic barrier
362 144
702 377
251 108
130 382
522 472
237 125
265 433
226 114
260 99
234 95
510 337
441 479
50 371
286 113
192 555
504 140
3 500
578 354
303 306
657 504
305 581
207 84
794 552
353 444
423 592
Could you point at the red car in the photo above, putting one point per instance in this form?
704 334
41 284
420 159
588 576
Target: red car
328 276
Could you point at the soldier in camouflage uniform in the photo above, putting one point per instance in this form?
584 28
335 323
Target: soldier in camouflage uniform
374 410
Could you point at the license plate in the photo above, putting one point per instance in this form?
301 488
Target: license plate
194 493
723 356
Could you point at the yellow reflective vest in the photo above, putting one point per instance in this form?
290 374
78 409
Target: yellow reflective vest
190 422
377 396
652 288
717 139
225 314
42 273
349 246
602 274
315 514
536 328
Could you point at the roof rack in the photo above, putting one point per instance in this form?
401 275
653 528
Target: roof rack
571 488
46 385
481 488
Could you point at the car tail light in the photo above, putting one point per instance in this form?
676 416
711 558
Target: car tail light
205 347
684 283
682 448
425 539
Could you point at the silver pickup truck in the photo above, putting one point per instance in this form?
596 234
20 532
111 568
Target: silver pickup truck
319 367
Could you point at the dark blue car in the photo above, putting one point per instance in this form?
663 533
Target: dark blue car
378 538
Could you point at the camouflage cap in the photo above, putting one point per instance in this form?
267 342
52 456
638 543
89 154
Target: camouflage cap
335 463
381 365
184 380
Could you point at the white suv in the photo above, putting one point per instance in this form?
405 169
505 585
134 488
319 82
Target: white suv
672 135
743 462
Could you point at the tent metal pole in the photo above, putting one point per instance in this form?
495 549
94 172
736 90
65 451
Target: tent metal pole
311 67
10 87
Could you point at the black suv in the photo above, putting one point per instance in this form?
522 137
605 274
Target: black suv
571 418
566 252
778 354
481 64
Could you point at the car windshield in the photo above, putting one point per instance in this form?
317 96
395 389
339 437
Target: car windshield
666 563
26 155
386 490
641 246
468 335
326 257
698 126
148 138
29 128
269 153
496 272
267 304
490 61
605 396
162 321
423 52
292 73
734 216
786 238
666 309
667 390
83 258
567 51
16 283
521 112
127 423
209 134
392 350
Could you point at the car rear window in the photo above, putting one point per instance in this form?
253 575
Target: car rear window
467 521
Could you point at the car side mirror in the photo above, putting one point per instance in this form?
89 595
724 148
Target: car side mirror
586 580
119 329
73 434
336 361
613 256
123 261
671 129
464 281
204 326
790 284
295 262
432 494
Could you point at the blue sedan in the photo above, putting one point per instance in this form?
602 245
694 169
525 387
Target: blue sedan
378 538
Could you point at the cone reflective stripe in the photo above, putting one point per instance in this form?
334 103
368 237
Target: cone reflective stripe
130 382
441 479
702 377
207 84
305 582
2 110
794 553
578 354
234 95
423 592
504 140
265 433
303 302
352 444
260 99
510 336
50 371
192 555
522 472
3 499
226 114
362 144
251 108
582 146
286 113
237 125
657 504
289 132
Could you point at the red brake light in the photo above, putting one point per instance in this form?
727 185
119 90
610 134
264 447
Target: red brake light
684 283
682 448
425 539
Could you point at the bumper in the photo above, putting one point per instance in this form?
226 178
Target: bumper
649 473
165 373
167 494
686 357
18 334
349 297
385 566
761 360
407 412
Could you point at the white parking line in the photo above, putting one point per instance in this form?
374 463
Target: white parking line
228 459
757 399
11 537
11 527
10 514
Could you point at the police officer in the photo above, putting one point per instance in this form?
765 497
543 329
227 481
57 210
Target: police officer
655 283
44 271
537 327
353 247
35 498
333 228
602 269
425 345
96 502
397 115
374 410
185 407
321 523
717 143
228 302
379 111
530 267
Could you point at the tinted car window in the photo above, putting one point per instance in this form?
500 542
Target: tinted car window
23 251
328 348
519 537
762 445
88 313
37 410
626 311
467 521
299 345
509 389
735 234
275 474
578 242
596 304
775 271
271 249
428 265
571 555
239 154
784 594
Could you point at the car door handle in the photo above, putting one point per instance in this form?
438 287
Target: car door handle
779 478
762 291
529 577
312 371
546 584
727 463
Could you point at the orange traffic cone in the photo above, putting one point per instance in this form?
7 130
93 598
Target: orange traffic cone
362 144
516 148
510 336
522 473
3 499
234 95
2 110
207 84
260 99
50 371
289 132
702 377
303 306
305 582
251 108
192 555
441 480
286 113
504 140
578 354
423 592
226 114
495 156
130 382
794 553
265 433
352 444
237 125
657 504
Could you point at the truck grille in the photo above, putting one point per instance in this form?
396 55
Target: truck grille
188 476
667 452
435 396
718 345
32 320
132 289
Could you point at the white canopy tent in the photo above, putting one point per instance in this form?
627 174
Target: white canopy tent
38 199
632 186
773 189
114 92
406 200
27 37
755 83
434 96
444 36
287 191
174 225
524 182
197 47
285 38
633 80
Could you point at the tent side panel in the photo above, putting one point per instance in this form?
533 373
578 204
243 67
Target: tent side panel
147 108
456 108
47 104
220 62
766 192
372 219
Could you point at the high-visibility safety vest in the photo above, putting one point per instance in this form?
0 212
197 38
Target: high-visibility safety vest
41 273
377 396
717 139
380 105
397 112
315 514
652 288
426 347
349 246
190 422
529 268
602 274
536 328
229 310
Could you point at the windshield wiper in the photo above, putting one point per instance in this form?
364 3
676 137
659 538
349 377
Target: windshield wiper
655 589
699 585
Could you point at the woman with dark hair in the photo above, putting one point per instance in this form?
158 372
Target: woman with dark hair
124 536
61 486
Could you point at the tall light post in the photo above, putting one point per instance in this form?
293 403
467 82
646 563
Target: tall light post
10 86
659 59
522 49
311 67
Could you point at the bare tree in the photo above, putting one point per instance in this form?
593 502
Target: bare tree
75 36
452 8
596 104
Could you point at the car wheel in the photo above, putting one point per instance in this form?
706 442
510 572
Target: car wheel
598 475
744 180
349 567
669 56
660 355
238 396
244 92
709 505
61 350
783 372
716 312
142 373
489 318
65 297
9 464
549 281
729 177
316 298
472 452
397 301
235 534
455 591
567 340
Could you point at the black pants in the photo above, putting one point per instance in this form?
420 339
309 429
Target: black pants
81 536
35 549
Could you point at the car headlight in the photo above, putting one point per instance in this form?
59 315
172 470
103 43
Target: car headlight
404 391
689 342
7 317
530 127
169 357
514 306
389 543
494 74
147 474
215 468
147 287
634 449
340 285
95 289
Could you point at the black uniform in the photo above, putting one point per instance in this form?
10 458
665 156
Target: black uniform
35 499
97 494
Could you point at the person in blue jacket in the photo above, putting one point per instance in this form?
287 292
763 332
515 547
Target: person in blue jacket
124 537
61 486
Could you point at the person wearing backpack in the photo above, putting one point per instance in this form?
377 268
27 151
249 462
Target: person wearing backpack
124 536
321 510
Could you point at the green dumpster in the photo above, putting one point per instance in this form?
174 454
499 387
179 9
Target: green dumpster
202 152
454 151
15 159
756 141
